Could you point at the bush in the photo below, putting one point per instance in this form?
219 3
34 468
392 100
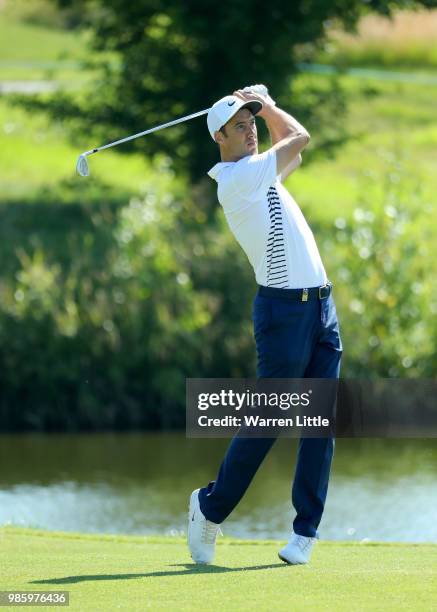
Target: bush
386 297
106 310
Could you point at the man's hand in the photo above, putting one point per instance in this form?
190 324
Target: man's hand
262 91
249 96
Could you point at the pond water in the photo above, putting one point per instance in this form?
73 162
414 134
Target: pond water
139 483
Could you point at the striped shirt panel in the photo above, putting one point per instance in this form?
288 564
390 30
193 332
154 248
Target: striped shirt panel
277 270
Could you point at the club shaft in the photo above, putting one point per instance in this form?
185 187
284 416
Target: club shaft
155 129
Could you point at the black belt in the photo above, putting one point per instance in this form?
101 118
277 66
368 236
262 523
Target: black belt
298 295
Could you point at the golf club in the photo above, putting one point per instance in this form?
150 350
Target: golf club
82 162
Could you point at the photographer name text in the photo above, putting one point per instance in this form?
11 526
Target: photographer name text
257 421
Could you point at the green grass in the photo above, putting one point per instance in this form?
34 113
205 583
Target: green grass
36 154
31 51
65 76
391 126
388 123
392 130
377 54
26 42
135 573
408 40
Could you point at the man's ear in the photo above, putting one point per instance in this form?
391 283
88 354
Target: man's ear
219 137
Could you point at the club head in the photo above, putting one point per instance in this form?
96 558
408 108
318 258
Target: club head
82 166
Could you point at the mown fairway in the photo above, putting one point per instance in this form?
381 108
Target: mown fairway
134 573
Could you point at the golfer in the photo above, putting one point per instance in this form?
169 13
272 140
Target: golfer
295 321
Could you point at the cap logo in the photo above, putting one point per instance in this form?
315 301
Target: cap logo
231 103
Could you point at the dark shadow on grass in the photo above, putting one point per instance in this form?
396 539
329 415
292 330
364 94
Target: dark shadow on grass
190 568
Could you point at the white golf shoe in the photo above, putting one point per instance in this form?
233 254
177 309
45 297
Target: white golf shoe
298 550
202 533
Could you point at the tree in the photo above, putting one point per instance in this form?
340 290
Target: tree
174 58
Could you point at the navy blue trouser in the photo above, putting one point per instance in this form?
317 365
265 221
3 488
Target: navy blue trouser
293 340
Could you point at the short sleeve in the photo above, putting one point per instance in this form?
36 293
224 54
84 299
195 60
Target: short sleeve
254 174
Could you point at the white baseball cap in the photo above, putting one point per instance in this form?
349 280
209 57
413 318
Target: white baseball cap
225 108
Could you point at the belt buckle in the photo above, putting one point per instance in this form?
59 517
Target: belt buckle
323 288
304 295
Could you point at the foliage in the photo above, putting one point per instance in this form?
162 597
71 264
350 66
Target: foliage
178 57
107 301
387 297
104 311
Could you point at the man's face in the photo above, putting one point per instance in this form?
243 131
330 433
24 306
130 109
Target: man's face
240 138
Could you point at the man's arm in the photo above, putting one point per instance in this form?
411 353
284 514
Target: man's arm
292 166
289 137
275 136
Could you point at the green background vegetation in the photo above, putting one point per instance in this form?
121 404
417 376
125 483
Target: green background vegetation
115 289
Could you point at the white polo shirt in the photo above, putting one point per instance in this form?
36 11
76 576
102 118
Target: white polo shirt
267 223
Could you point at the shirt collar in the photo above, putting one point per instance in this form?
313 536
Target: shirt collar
215 170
